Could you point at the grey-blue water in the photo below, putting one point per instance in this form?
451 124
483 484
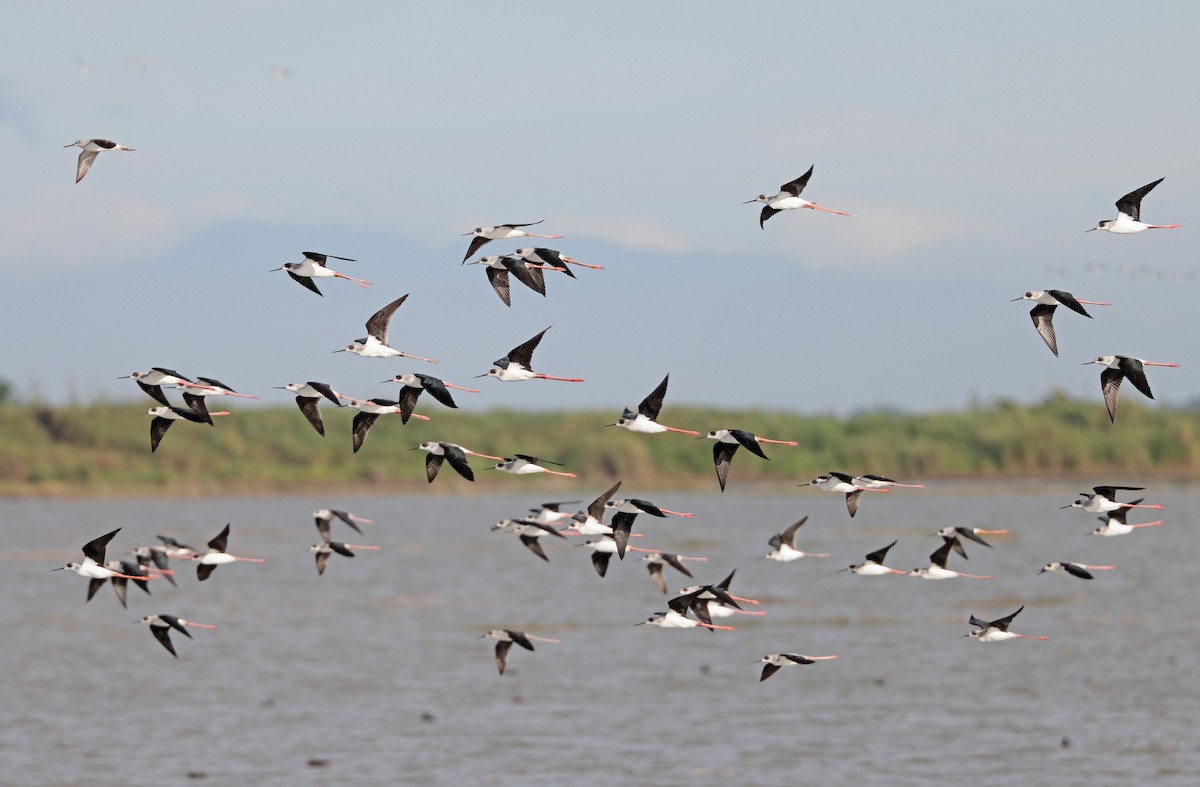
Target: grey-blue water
377 666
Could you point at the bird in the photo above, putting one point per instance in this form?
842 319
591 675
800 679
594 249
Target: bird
484 235
324 549
523 464
165 416
937 564
773 662
498 268
217 556
645 420
783 545
550 259
656 560
1129 214
89 149
153 380
505 639
175 548
1081 570
375 343
1114 523
997 630
161 625
529 532
841 482
314 267
968 532
1118 368
411 386
868 481
308 396
635 506
551 513
603 548
516 366
872 565
324 518
210 387
788 198
454 454
1043 313
93 567
1103 499
727 444
676 616
368 411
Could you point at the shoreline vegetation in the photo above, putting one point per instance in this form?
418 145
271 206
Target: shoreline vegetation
102 450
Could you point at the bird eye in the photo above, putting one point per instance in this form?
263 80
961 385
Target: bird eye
1029 295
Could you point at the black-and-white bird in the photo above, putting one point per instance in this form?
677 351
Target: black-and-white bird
485 235
375 343
1120 367
645 420
1043 313
453 454
788 198
996 630
505 639
314 267
88 150
727 444
517 365
773 662
1081 570
161 625
1129 214
783 545
498 269
413 384
165 416
308 396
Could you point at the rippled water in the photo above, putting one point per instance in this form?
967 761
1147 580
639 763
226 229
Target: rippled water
376 666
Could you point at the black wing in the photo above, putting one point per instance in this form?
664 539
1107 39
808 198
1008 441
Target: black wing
326 391
93 586
155 392
533 278
307 282
502 648
377 326
1136 374
600 561
438 390
163 635
534 546
1069 300
458 460
221 541
523 353
722 456
308 406
203 572
199 406
676 563
408 401
878 555
433 463
956 545
322 560
1076 570
967 532
940 555
596 508
656 574
767 212
340 548
95 548
748 441
321 258
789 535
1131 203
362 424
520 638
768 671
499 281
622 525
652 404
477 243
796 186
852 499
1003 623
158 428
1110 384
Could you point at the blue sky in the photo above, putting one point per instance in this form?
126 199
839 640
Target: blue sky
972 144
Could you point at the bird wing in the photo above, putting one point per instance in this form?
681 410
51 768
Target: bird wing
767 212
533 278
308 406
852 499
458 460
476 244
499 281
327 391
797 658
596 508
523 353
600 561
408 401
748 441
776 541
322 559
320 258
722 456
1136 374
438 390
796 186
85 163
502 648
158 428
1003 623
362 424
95 548
789 535
974 621
155 392
622 525
340 548
656 574
433 463
203 572
652 404
1131 203
956 545
1043 320
768 671
646 507
307 282
221 540
1069 300
676 563
520 638
940 555
878 555
534 546
93 586
342 515
377 326
966 532
163 635
1076 570
1110 384
199 406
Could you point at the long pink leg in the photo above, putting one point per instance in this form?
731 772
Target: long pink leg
681 431
417 357
1099 568
1095 303
814 206
991 532
535 235
749 612
249 559
561 379
677 513
459 387
974 576
360 546
366 285
1155 523
197 625
776 442
1026 636
714 626
1163 226
821 658
559 472
1156 507
483 456
746 600
584 264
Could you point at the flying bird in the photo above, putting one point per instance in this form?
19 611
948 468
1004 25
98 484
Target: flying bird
1081 570
93 567
217 556
872 565
161 625
773 662
1129 214
783 545
314 267
655 561
452 453
1120 367
89 149
375 343
727 444
209 387
498 269
997 630
308 396
937 564
843 483
788 198
327 547
516 366
645 420
1043 313
551 259
413 384
484 235
505 639
1103 499
165 416
523 464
